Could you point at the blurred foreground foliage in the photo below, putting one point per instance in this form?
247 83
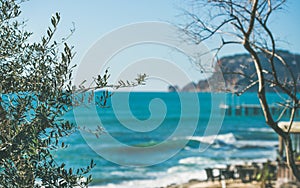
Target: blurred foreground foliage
35 92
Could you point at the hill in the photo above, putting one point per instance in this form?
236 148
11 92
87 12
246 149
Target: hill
238 72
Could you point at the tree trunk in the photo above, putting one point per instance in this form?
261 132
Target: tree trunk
262 95
290 157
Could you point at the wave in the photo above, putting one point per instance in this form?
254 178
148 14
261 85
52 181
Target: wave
180 173
229 140
265 129
204 162
136 173
197 161
177 174
256 144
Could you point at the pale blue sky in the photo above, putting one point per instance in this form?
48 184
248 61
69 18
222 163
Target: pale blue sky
95 18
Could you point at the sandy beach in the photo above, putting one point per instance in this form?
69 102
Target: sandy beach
233 184
217 184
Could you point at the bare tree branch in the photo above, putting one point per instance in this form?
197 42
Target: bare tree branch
246 24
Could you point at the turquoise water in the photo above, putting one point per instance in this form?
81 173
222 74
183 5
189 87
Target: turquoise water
155 139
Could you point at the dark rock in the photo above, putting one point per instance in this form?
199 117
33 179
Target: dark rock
173 88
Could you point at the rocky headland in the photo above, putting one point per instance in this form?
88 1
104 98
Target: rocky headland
237 72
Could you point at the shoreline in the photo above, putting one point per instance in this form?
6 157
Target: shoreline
220 176
235 176
216 184
232 184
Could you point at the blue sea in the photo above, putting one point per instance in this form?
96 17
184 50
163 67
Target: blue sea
153 139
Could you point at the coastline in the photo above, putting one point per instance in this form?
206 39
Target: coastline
216 184
236 176
232 184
